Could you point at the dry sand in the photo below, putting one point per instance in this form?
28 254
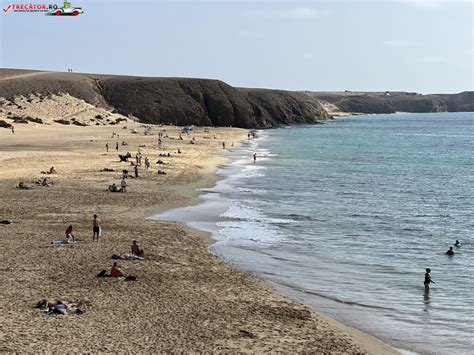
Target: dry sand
185 299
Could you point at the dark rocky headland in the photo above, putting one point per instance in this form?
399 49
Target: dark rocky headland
205 102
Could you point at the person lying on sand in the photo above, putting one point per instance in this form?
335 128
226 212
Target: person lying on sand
22 186
161 172
136 250
59 307
127 256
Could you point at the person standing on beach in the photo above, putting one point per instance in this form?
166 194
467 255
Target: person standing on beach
116 146
95 228
428 280
254 157
123 185
223 145
107 146
13 129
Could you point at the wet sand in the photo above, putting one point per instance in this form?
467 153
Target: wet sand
185 299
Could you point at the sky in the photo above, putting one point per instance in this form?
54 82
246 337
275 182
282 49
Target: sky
411 45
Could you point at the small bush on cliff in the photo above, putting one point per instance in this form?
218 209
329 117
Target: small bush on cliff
63 121
4 124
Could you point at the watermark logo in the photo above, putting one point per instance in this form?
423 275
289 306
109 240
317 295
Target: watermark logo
66 10
47 9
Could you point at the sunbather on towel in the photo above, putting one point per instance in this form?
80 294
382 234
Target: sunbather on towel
22 186
59 307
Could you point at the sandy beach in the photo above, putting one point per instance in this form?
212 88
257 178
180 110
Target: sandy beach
184 299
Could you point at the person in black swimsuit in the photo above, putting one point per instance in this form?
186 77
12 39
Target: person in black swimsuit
428 280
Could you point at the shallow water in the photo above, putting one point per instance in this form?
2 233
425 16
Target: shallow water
346 216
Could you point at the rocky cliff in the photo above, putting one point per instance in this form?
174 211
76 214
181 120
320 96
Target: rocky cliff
184 101
179 101
390 102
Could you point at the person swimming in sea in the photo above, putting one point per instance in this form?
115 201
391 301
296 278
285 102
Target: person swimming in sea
457 244
450 252
428 280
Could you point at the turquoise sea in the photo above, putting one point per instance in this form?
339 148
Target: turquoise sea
346 216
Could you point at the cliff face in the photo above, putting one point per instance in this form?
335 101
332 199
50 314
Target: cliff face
185 101
179 101
208 102
374 102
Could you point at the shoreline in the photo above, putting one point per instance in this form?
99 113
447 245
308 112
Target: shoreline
365 340
185 298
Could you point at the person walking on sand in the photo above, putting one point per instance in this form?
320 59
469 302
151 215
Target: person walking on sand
428 280
95 228
13 129
107 146
116 146
136 171
223 145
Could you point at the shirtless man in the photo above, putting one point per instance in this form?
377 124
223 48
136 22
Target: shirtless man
95 228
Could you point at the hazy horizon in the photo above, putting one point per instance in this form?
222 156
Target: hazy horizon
421 46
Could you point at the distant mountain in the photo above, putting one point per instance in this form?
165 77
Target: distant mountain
185 101
390 102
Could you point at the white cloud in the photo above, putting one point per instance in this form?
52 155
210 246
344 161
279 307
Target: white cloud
434 58
433 4
397 43
249 34
293 13
302 12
